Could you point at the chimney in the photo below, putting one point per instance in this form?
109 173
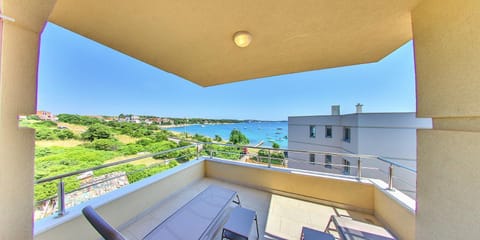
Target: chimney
359 108
335 110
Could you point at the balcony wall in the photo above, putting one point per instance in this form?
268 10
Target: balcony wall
124 206
344 192
394 209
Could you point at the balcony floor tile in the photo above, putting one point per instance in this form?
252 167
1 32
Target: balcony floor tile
279 217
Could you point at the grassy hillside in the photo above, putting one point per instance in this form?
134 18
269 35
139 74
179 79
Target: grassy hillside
77 142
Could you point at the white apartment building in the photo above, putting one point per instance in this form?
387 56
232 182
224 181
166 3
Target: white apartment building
389 135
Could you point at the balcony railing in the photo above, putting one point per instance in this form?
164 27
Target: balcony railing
364 166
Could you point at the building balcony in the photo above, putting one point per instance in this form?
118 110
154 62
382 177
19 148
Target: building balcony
284 199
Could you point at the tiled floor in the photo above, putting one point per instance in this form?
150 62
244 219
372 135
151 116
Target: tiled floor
279 217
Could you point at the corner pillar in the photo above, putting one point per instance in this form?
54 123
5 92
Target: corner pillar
18 96
447 56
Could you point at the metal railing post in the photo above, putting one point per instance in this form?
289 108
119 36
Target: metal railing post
198 151
211 154
269 159
359 169
390 177
61 199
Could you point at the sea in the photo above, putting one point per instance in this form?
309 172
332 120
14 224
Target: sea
256 132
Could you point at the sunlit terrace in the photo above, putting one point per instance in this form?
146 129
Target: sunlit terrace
293 36
285 200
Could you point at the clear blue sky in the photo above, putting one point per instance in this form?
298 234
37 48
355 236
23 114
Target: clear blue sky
77 75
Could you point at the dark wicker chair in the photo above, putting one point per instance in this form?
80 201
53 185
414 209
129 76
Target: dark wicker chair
102 227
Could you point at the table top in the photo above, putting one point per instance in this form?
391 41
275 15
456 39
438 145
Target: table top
309 234
198 214
240 221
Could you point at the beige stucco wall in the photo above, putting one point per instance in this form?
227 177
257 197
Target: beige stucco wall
131 204
396 217
18 87
350 193
448 186
447 54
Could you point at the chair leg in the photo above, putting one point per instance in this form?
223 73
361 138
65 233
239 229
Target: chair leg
237 201
256 223
327 229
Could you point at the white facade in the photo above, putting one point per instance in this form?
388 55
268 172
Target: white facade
390 135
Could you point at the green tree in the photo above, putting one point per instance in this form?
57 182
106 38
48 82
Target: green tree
275 145
64 134
77 119
218 138
97 131
237 137
131 148
144 141
105 144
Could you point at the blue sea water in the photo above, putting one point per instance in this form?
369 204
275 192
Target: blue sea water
267 132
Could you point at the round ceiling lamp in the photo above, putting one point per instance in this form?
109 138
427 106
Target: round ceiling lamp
242 38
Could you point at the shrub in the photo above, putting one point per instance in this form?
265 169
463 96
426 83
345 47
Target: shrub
64 134
45 134
45 124
33 117
142 172
218 138
201 138
162 146
183 143
131 149
144 141
57 160
77 119
237 137
104 144
226 152
160 136
97 131
275 156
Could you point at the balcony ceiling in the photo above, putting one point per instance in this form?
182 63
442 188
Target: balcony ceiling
193 39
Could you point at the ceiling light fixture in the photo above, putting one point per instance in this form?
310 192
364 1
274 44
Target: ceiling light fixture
242 38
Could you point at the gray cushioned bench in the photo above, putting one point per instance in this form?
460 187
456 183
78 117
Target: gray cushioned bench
198 218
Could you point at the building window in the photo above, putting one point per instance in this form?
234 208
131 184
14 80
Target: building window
328 161
312 158
346 134
313 131
346 167
328 131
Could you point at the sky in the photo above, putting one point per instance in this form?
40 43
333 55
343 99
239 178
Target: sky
79 76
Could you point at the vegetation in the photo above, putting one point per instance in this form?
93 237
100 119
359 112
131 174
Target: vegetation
218 138
237 137
276 157
275 145
201 138
226 152
99 145
97 131
48 130
77 119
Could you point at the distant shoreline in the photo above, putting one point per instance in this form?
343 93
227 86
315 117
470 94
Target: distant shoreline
186 125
